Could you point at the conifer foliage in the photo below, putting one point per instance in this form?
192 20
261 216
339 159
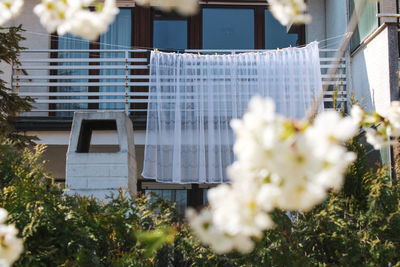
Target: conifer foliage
10 103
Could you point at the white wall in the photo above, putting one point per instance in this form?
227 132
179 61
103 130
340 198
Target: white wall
57 145
371 73
99 138
36 38
55 157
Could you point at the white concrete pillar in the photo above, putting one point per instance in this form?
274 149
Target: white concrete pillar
100 174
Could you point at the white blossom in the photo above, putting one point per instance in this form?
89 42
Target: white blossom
52 13
331 127
357 114
9 9
294 156
3 215
238 213
74 16
216 238
393 117
377 139
289 11
184 7
10 246
280 163
90 24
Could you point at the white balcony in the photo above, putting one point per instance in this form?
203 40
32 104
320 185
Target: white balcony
116 80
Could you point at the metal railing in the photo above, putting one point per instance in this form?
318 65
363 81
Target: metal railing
64 81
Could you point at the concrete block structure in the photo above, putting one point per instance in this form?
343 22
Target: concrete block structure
97 173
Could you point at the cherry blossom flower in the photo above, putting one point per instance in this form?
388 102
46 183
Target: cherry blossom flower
74 16
9 9
10 246
280 163
393 117
203 227
290 11
357 114
386 125
377 139
184 7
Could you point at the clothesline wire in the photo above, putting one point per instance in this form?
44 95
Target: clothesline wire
338 38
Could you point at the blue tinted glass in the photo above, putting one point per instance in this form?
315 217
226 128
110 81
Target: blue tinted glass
276 35
170 34
118 36
68 42
228 28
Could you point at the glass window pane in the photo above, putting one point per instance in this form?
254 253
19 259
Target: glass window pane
118 36
228 28
68 42
276 35
170 34
178 196
367 23
205 196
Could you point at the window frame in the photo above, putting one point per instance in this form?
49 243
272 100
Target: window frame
195 34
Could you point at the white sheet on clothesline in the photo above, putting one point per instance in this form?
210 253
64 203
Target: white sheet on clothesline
193 97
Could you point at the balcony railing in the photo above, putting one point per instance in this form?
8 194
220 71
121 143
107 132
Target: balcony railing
64 81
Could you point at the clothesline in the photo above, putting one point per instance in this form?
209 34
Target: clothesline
337 38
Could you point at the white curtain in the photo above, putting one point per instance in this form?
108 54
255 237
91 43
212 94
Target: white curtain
192 99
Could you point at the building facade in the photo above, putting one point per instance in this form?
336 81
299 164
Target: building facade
66 73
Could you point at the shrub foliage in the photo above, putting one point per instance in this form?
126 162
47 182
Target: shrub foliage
63 230
357 226
11 103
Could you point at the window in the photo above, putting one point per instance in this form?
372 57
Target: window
71 42
368 22
228 28
178 196
170 31
276 35
182 195
119 36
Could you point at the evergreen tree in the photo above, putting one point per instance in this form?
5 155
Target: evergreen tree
10 103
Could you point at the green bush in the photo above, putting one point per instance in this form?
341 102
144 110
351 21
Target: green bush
358 226
11 104
62 230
